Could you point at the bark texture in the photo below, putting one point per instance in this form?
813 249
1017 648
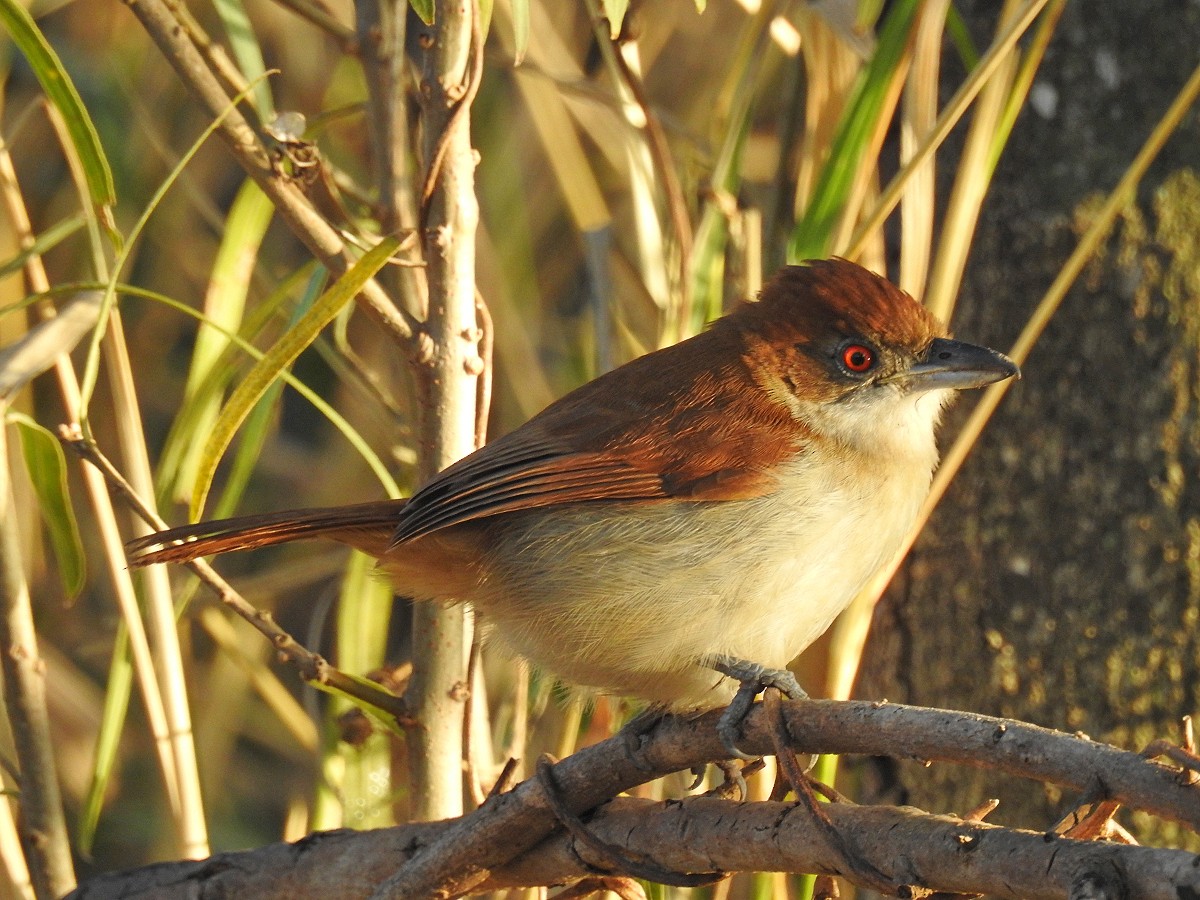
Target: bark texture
1059 581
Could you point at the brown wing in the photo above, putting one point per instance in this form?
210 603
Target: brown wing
669 425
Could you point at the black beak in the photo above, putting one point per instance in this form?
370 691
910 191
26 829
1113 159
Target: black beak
954 365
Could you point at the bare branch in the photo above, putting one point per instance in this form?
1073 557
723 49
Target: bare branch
701 833
451 64
294 207
512 823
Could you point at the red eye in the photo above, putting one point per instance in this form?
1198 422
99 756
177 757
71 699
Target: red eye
857 358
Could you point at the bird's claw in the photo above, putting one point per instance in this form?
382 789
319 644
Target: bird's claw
753 678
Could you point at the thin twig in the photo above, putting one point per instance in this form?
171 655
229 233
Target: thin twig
506 779
1188 761
311 666
322 239
486 343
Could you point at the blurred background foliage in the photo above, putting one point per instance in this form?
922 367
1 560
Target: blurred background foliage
630 190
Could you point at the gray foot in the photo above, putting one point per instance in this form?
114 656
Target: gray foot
753 678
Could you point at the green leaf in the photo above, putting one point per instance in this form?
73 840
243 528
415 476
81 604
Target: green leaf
520 23
201 405
261 420
338 421
224 307
424 9
247 52
278 358
108 738
47 467
810 237
61 92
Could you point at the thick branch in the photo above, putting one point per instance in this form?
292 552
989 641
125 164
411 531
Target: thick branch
480 850
510 824
702 834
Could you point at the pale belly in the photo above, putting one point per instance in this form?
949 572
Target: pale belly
638 601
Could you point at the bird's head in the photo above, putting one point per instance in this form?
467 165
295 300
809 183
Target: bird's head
850 355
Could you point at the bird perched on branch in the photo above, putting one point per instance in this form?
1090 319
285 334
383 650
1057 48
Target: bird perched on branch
690 521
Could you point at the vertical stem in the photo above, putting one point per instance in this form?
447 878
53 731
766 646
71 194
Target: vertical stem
42 825
101 504
160 611
449 216
380 27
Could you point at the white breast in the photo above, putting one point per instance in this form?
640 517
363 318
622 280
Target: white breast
636 599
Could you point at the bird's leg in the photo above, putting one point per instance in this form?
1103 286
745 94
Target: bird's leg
753 678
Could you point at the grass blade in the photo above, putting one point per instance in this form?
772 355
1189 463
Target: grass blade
248 54
47 467
44 242
61 92
108 738
372 460
811 236
286 349
224 306
258 424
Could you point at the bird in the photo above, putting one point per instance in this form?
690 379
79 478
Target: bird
683 526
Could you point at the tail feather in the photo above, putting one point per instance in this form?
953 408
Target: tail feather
366 526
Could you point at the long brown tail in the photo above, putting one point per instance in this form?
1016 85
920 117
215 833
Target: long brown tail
366 526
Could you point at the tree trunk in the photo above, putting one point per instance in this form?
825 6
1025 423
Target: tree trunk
1059 581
